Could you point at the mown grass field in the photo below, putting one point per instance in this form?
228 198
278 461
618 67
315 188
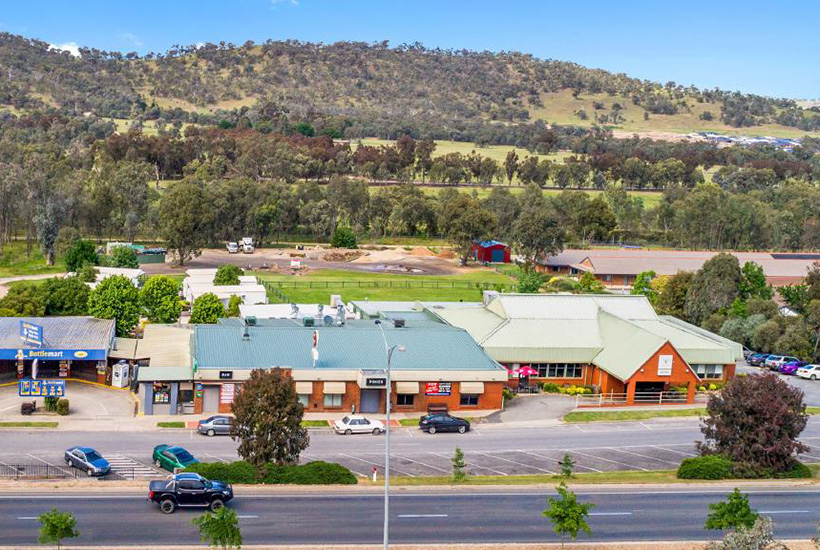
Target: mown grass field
316 286
14 261
496 152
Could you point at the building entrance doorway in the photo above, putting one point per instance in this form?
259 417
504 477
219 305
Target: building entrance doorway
371 401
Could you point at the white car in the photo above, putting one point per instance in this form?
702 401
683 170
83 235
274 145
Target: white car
233 248
811 372
247 245
357 424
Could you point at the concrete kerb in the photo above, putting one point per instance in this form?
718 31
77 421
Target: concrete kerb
797 544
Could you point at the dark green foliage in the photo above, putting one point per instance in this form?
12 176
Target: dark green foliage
219 529
530 281
568 516
458 466
50 404
81 252
66 296
734 513
116 298
567 465
207 309
755 421
268 419
705 467
228 274
343 237
25 300
62 407
312 473
714 287
643 285
56 526
160 298
88 273
124 256
233 306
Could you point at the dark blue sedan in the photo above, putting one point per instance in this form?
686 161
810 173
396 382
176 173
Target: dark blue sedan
87 460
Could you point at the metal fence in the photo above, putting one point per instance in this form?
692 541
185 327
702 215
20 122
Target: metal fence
48 471
641 398
380 284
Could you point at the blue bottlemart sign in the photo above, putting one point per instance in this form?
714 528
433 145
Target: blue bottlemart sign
31 333
45 354
41 388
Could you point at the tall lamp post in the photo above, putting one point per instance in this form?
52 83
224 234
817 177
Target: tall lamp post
389 350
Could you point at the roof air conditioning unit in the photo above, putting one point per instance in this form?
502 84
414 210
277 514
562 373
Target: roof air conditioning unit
308 321
398 323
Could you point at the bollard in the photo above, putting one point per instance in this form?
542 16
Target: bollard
374 474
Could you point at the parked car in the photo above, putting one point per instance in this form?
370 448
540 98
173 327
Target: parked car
757 359
172 458
774 362
433 423
747 352
233 248
357 424
87 460
790 368
215 425
811 372
189 489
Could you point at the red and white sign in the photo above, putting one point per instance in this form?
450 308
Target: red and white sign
226 393
437 388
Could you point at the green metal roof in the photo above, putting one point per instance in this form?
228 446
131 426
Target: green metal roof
349 347
626 346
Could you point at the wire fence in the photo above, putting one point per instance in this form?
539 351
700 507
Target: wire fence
468 285
49 471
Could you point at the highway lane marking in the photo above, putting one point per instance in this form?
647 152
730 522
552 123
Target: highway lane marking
610 513
423 464
550 458
610 460
377 464
247 517
644 456
422 515
216 457
27 517
515 462
785 512
499 472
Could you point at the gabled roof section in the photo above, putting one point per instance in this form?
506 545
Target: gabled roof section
479 322
627 346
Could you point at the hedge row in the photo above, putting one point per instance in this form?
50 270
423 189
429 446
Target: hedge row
720 467
312 473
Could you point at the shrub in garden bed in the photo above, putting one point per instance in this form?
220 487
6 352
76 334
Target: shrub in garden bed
719 467
550 387
312 473
62 407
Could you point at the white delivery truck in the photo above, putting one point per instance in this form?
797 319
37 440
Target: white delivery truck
247 245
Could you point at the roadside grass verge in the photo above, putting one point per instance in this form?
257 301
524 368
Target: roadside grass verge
659 476
315 423
409 421
170 424
29 424
603 416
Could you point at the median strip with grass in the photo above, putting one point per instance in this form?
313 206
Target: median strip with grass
29 424
315 424
615 416
170 424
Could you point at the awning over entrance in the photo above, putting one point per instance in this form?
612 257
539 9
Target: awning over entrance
334 388
306 388
407 387
472 387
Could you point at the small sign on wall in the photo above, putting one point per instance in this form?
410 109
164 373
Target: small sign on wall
226 394
664 365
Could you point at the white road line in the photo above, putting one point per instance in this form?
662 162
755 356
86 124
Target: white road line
645 426
613 461
473 464
516 462
644 456
422 464
216 457
378 465
27 517
422 515
247 517
610 513
550 458
785 512
475 431
674 451
811 456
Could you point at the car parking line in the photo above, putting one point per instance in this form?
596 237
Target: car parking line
515 462
473 464
674 451
378 465
550 458
422 464
49 463
216 457
613 461
643 456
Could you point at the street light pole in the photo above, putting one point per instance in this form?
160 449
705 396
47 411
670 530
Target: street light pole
389 350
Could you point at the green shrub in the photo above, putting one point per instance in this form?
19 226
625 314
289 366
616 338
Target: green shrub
507 394
343 237
312 473
798 471
50 404
62 407
706 467
229 472
550 387
228 274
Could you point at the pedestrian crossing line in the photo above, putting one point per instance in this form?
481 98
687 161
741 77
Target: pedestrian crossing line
124 465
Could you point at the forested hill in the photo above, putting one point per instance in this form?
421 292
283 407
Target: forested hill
352 89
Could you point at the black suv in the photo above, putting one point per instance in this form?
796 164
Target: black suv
189 489
442 422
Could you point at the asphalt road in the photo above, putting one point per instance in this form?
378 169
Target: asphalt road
649 445
455 516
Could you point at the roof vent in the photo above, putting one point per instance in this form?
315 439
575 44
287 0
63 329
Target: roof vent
327 320
398 323
308 321
250 321
245 335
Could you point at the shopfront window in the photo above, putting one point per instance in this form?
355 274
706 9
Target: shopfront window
709 372
304 398
405 399
162 394
469 400
559 370
333 400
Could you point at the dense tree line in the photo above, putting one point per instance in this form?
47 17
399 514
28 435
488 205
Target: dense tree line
346 89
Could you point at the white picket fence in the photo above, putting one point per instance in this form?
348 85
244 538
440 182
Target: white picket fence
641 398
